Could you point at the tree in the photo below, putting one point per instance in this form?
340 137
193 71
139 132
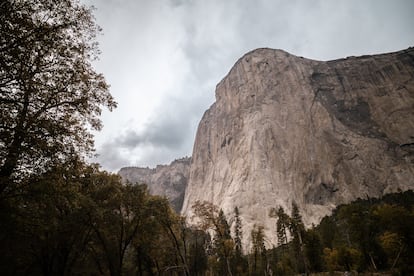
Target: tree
359 230
396 222
106 215
117 215
259 263
282 224
47 234
297 230
206 214
237 232
210 218
196 241
223 244
175 229
393 246
313 250
50 95
240 264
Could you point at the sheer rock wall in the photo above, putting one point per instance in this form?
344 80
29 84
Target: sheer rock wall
285 128
164 180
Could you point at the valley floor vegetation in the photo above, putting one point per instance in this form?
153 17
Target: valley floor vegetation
77 220
60 215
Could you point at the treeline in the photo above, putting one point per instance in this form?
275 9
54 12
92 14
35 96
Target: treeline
368 235
77 220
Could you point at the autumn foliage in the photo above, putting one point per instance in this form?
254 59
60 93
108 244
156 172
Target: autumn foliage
60 215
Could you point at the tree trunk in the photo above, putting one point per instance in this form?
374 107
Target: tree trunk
397 257
372 261
228 267
14 150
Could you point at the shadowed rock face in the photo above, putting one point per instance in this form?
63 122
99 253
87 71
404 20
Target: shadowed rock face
165 180
285 128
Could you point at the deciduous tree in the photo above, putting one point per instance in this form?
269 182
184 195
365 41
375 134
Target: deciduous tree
210 218
50 95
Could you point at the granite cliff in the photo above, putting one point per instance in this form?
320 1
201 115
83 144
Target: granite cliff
164 180
320 133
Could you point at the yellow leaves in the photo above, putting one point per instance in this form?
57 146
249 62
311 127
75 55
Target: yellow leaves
330 257
47 56
228 246
342 259
390 241
206 214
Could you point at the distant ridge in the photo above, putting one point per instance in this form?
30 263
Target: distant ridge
165 180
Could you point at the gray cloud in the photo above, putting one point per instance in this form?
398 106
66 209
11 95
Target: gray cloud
110 157
164 132
163 58
162 139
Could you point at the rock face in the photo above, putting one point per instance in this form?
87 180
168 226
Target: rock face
165 180
285 128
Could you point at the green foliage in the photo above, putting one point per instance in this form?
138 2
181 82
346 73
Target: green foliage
313 251
50 95
238 232
366 235
258 260
46 229
282 224
297 231
239 262
222 251
198 259
372 234
75 219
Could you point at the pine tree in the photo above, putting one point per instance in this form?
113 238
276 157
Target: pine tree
259 261
297 230
282 224
238 232
224 244
240 264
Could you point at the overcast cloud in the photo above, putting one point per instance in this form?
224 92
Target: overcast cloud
163 58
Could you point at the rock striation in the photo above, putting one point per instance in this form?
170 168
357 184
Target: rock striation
320 133
164 180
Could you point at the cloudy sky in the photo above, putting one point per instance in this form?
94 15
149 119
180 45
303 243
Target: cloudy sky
163 58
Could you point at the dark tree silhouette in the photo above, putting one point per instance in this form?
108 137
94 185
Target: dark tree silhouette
50 95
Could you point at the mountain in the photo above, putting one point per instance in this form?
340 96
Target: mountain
164 180
319 133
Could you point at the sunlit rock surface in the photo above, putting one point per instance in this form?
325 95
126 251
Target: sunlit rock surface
286 128
165 180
